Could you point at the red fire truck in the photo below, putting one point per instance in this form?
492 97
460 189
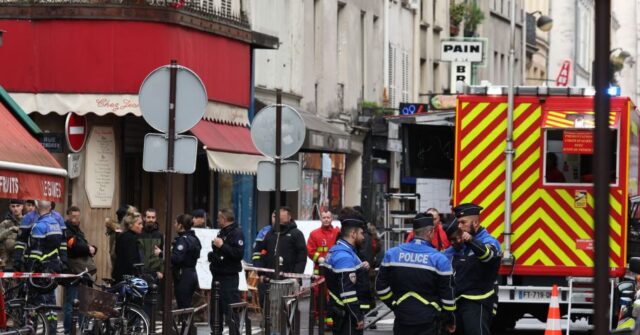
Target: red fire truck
552 199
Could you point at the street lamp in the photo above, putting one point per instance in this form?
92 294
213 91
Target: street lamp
543 22
617 58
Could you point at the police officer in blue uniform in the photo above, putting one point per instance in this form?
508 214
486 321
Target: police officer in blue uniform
46 251
225 259
415 281
185 252
475 263
348 278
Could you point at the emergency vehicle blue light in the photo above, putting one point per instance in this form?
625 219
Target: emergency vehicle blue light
614 91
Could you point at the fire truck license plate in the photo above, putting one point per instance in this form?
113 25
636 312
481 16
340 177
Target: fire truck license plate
532 295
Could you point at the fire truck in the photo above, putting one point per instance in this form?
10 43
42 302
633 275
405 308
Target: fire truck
552 199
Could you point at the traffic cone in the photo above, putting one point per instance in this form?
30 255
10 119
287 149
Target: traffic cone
553 318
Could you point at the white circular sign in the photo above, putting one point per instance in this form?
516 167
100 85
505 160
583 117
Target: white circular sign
263 131
191 99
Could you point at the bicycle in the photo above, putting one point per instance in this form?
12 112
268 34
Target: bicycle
23 311
114 310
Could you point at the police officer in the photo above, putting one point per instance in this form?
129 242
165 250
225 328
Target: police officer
225 259
347 278
425 301
46 252
476 264
185 252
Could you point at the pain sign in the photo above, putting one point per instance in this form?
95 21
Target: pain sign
462 51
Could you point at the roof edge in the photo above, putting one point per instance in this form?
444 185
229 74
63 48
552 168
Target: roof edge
18 112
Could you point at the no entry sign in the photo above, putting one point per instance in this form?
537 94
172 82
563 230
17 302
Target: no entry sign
76 131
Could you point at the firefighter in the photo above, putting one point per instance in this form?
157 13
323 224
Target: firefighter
476 265
318 245
347 278
426 301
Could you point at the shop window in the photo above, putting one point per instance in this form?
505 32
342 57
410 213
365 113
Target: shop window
322 184
569 157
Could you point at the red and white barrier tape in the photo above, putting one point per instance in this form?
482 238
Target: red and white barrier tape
5 275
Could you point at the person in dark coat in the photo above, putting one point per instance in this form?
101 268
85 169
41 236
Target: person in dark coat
292 246
185 252
292 250
128 252
225 258
79 258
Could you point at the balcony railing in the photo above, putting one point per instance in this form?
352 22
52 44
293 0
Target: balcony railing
204 14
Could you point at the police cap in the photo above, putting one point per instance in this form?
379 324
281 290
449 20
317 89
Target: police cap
422 220
352 220
451 228
16 202
466 210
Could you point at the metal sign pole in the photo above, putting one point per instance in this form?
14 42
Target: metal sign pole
166 316
278 161
601 168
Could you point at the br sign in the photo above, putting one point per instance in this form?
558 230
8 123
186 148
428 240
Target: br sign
462 51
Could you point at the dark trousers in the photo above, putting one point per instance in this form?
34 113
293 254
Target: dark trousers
473 318
184 287
421 329
344 324
229 294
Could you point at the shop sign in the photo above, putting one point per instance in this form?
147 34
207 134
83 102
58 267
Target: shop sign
52 142
25 185
577 142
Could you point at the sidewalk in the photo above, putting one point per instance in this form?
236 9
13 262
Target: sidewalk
385 326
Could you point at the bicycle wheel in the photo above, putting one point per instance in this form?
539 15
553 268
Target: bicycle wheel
40 324
137 321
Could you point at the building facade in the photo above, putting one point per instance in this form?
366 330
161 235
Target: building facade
91 58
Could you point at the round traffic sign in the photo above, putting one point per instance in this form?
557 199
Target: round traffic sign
263 131
191 99
75 129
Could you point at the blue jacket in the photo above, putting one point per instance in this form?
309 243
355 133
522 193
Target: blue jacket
476 266
347 280
415 280
47 244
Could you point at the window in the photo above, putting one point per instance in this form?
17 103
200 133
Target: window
392 75
569 158
405 76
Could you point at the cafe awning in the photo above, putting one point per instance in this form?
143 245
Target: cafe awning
27 169
229 148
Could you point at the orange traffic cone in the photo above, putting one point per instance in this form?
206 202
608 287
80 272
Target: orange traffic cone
553 318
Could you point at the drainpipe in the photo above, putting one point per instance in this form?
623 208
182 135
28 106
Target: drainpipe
509 152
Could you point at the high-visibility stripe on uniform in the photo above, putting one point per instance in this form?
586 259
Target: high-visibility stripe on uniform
315 256
43 257
419 298
476 296
386 296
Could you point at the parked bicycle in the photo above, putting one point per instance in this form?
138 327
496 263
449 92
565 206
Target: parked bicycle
114 309
23 308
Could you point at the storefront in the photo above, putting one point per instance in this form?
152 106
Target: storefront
27 170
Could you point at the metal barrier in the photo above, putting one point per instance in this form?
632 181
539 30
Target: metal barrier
240 319
279 289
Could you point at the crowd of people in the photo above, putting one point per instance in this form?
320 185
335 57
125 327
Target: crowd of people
441 280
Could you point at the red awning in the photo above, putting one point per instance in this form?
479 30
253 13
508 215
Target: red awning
225 138
27 170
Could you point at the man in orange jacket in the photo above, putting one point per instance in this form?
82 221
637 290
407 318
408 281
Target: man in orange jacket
318 245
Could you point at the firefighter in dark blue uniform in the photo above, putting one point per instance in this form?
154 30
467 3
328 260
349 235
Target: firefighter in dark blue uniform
475 264
185 252
225 259
348 278
415 281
